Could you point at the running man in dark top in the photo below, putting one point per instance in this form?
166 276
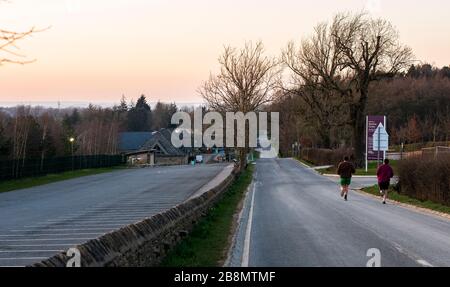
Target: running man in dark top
384 175
345 170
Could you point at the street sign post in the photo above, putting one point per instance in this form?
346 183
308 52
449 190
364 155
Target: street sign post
372 124
380 141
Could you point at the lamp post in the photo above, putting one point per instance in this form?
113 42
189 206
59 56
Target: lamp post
401 150
72 140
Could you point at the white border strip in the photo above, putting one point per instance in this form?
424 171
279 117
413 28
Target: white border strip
248 233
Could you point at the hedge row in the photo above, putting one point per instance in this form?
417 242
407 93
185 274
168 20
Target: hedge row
426 178
325 156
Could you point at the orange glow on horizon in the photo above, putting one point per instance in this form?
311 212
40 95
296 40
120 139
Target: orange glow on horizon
165 49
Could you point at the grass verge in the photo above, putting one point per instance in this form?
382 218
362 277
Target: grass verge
394 195
11 185
373 166
207 244
307 163
371 171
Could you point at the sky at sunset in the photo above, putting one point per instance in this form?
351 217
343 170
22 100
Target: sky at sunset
97 50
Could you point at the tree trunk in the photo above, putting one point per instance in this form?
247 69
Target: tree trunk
324 133
359 141
242 159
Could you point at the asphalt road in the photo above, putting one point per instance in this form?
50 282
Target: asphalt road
294 217
39 222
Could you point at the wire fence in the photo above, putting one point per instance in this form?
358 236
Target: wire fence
15 169
435 152
425 153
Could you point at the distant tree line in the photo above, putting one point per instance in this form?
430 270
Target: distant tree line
37 132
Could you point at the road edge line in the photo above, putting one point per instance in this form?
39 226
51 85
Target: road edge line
246 252
239 220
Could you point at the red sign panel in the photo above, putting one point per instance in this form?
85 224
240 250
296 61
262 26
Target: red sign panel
372 124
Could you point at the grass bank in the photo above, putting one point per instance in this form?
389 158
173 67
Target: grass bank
11 185
394 195
208 242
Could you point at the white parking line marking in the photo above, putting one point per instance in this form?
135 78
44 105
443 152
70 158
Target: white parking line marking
102 220
29 251
99 217
40 245
43 239
75 225
106 215
125 213
24 258
55 234
125 208
96 219
62 229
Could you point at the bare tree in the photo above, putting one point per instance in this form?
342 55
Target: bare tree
21 130
9 51
44 123
246 82
345 57
8 46
98 131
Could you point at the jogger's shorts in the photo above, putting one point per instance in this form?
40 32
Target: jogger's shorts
384 185
346 181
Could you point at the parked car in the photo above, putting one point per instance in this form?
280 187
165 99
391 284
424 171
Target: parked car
199 159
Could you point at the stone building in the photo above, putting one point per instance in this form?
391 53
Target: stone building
151 148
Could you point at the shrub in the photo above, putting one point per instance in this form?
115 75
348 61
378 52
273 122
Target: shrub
426 178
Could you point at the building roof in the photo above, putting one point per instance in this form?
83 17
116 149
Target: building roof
159 140
167 133
130 142
133 141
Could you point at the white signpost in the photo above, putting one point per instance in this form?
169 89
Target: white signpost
380 141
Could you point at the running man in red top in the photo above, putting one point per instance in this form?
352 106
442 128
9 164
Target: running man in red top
384 174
